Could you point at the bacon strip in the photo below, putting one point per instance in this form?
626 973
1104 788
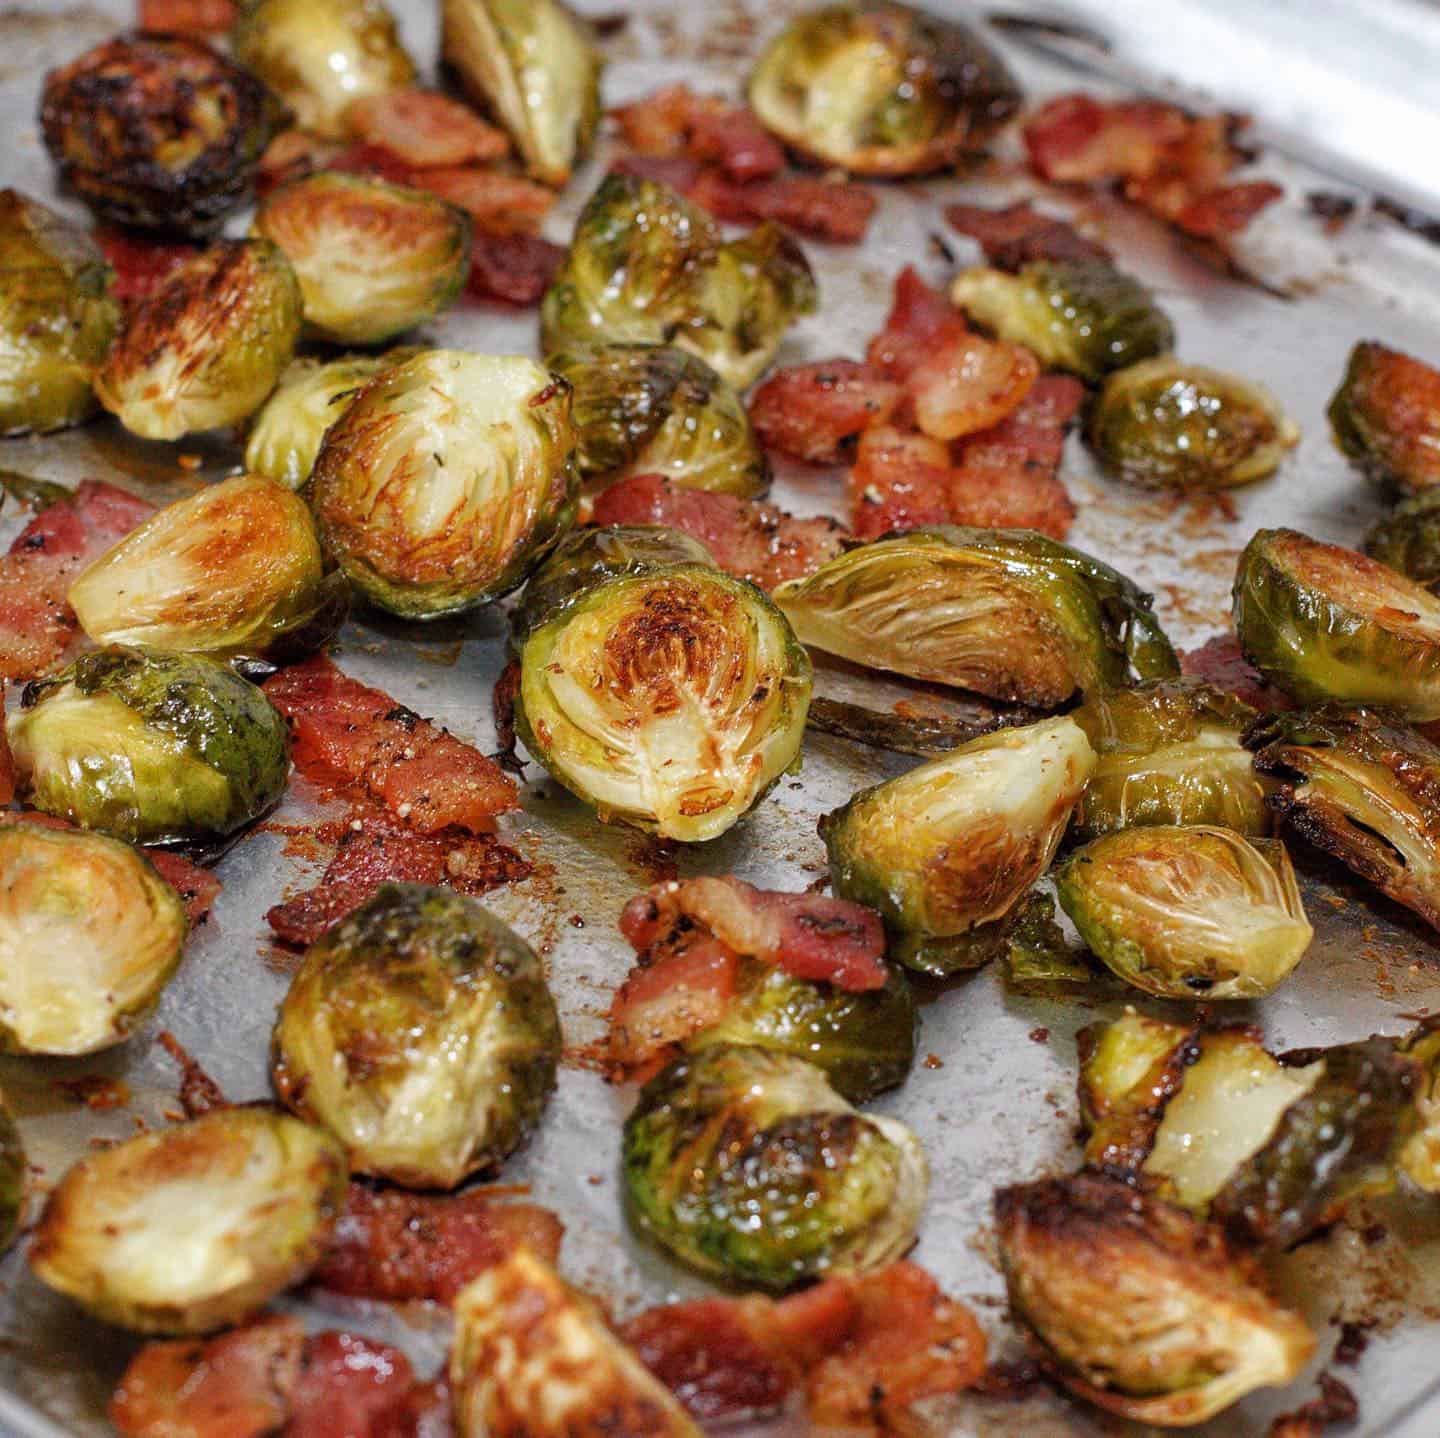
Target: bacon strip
185 17
921 321
1013 236
1221 663
677 121
36 623
425 128
360 741
901 480
831 210
517 268
141 266
810 411
745 537
402 1247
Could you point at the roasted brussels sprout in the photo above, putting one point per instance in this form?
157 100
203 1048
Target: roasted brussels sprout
648 266
654 409
1408 539
1005 612
149 746
110 929
672 698
1144 1310
1364 789
954 845
231 570
1169 752
209 346
880 88
373 259
745 1163
534 66
421 1032
1386 417
1419 1157
57 317
14 1180
1188 911
1329 625
446 481
1083 316
533 1356
159 132
1165 424
319 56
191 1228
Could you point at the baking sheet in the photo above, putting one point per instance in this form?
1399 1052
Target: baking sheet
993 1098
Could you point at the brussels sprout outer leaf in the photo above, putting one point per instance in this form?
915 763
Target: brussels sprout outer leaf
1408 538
1038 960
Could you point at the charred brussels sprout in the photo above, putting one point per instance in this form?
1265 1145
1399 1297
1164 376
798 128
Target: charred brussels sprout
312 394
1144 1310
195 1227
209 346
421 1032
1188 912
159 132
1005 612
1364 789
880 88
1169 752
111 931
1168 425
232 570
1408 539
745 1163
953 846
56 317
654 409
149 746
534 66
671 697
447 481
647 266
1329 625
1386 417
1084 316
319 56
373 259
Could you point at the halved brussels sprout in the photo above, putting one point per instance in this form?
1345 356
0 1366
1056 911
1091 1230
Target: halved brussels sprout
954 845
647 266
319 56
57 317
446 481
533 1355
881 88
672 699
1165 424
231 570
149 746
209 346
745 1163
1008 613
1144 1310
421 1032
1408 539
158 132
107 929
195 1227
1329 625
1364 789
373 259
1083 316
654 409
1386 417
1187 912
1169 753
14 1180
312 394
533 65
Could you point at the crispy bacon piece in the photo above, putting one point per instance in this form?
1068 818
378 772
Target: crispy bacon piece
498 202
901 480
1015 235
677 121
1220 662
359 740
186 17
516 267
36 624
376 848
1336 1407
810 411
424 128
400 1247
745 537
424 1412
668 997
199 1093
679 172
1219 213
292 155
198 887
141 266
969 384
376 160
921 320
345 1385
830 210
